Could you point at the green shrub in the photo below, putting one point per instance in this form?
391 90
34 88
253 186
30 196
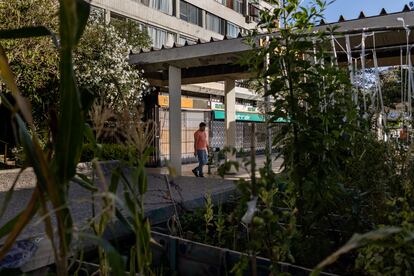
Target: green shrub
87 153
392 256
109 152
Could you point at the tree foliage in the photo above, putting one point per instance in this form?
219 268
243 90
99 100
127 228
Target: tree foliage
102 65
34 61
391 86
101 58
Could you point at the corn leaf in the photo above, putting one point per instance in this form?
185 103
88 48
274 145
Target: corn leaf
9 194
114 258
85 182
73 17
16 226
29 32
8 77
357 240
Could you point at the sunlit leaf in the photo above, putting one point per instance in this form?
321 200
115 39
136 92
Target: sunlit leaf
357 240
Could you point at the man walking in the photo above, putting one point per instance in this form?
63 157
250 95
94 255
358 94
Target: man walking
200 149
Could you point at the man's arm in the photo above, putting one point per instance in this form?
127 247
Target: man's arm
207 141
195 143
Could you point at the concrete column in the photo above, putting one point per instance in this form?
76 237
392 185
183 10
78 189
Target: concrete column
174 89
230 114
204 19
177 8
246 7
107 16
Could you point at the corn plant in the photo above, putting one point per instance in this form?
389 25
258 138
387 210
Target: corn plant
208 215
54 165
54 169
220 224
134 187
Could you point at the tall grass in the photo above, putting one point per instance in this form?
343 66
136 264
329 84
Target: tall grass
54 165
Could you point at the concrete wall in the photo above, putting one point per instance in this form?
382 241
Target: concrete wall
148 15
222 11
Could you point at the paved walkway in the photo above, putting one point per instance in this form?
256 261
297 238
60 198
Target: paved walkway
242 173
186 190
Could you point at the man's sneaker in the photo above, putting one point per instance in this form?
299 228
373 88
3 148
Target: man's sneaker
201 175
195 172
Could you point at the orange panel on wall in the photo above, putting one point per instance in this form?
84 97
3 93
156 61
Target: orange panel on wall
164 101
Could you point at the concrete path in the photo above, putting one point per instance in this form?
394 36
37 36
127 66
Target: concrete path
187 192
186 189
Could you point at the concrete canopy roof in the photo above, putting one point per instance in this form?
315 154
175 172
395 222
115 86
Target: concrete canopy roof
201 62
218 60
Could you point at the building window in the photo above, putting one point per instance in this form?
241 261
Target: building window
115 17
254 12
191 13
165 6
238 6
98 14
183 39
232 30
145 2
160 37
223 2
215 24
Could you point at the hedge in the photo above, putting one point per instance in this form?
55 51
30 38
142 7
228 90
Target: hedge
110 152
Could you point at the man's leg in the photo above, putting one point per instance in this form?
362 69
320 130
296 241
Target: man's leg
202 162
196 171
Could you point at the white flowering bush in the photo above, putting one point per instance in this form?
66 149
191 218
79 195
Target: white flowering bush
102 67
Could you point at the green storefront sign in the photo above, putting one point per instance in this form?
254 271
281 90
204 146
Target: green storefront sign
245 117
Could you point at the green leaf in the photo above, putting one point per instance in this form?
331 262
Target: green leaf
8 77
114 258
356 241
130 203
87 98
90 136
115 177
123 220
15 226
82 11
9 194
8 226
33 154
85 182
142 179
29 32
73 15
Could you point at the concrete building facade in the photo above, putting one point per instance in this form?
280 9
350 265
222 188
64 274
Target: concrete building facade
186 22
169 21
